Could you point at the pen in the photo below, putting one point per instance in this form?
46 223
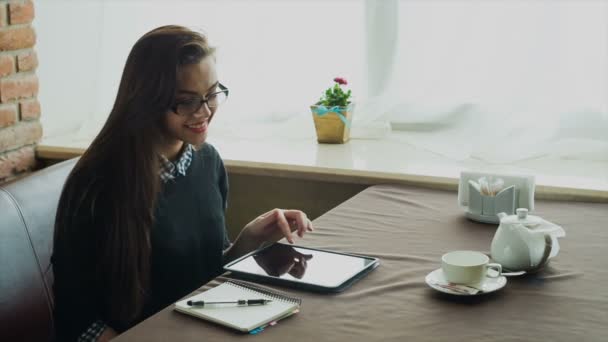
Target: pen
237 302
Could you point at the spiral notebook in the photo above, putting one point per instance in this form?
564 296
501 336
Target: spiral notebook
243 318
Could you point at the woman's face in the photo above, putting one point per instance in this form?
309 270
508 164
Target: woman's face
194 82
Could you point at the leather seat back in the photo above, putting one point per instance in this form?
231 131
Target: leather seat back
27 217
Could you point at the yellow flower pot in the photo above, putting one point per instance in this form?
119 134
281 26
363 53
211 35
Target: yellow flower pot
332 123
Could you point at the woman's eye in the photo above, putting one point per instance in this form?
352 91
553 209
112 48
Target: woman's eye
188 102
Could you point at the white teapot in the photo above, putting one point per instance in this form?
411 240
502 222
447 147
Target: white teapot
524 242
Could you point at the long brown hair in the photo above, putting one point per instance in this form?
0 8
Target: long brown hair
117 177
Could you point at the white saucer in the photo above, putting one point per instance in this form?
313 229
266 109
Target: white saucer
493 219
488 285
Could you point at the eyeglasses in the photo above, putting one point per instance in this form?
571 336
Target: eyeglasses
192 106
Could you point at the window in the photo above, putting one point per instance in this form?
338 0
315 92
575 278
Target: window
494 80
275 56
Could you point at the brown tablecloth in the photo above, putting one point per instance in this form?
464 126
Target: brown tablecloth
409 229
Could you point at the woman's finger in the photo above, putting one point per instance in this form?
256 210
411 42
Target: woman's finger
309 226
302 226
267 217
300 218
293 226
283 225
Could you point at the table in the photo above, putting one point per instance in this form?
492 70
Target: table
409 229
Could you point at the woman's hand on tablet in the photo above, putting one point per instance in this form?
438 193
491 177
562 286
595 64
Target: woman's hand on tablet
277 224
269 227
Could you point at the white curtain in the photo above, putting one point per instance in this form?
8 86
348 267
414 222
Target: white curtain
502 81
276 57
494 80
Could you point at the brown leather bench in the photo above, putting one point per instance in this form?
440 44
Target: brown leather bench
27 215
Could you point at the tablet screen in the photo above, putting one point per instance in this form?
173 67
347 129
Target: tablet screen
301 264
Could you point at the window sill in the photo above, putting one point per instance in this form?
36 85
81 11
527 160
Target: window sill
370 162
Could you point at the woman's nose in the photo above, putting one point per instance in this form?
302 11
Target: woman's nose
204 111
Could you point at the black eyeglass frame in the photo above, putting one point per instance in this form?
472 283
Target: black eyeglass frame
204 100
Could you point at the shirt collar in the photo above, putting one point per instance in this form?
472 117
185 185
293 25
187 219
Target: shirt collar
171 170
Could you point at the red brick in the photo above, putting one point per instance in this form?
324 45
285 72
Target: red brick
7 65
2 15
21 12
8 115
29 109
18 87
17 161
17 38
27 61
23 133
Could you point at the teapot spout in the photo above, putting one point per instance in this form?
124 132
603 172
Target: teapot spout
502 215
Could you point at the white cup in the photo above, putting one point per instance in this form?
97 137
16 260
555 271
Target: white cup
467 267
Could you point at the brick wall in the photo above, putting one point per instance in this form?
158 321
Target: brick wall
20 127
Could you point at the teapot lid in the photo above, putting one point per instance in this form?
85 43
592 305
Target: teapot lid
522 217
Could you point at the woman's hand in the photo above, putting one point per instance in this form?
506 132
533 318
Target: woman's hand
277 224
269 227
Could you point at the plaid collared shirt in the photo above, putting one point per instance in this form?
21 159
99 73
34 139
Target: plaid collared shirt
93 332
168 171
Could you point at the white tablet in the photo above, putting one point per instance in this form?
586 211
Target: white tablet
302 267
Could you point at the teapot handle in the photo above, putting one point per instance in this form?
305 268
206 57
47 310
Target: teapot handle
547 252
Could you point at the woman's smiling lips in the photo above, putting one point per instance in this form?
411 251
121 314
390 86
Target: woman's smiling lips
200 127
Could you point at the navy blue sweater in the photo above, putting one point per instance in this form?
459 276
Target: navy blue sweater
188 240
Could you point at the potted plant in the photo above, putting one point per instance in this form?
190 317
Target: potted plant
333 114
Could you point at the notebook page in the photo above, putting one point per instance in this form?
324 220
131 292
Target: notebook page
244 318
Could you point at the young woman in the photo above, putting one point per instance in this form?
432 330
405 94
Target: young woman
140 222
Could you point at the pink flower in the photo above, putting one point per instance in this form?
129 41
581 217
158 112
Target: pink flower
340 80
